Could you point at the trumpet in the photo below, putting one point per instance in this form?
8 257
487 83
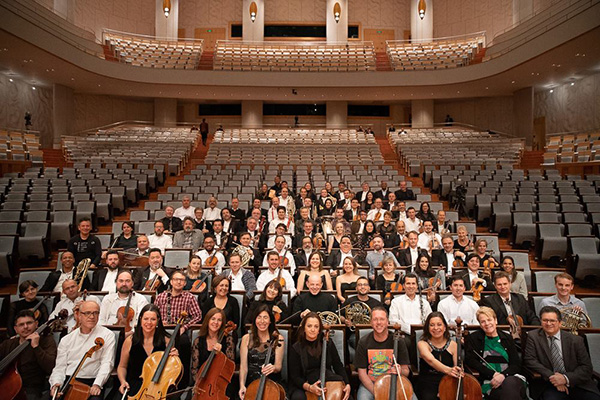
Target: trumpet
81 271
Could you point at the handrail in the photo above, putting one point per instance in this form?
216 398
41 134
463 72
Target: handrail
294 44
148 37
473 35
572 132
3 128
454 124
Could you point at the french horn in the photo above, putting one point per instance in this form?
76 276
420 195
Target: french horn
244 254
81 271
359 313
329 318
573 319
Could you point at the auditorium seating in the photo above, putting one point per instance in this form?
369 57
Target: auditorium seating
570 148
435 54
294 56
20 146
141 51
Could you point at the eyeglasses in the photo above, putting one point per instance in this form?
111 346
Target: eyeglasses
178 279
89 314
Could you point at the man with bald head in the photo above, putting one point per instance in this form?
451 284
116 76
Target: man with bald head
314 300
96 370
69 299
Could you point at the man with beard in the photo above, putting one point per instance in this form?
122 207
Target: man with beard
158 239
112 302
55 280
143 246
152 271
188 238
104 279
209 252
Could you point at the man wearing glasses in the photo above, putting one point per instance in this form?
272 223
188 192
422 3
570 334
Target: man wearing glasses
35 363
96 370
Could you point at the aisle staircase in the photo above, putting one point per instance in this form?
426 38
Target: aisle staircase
54 158
382 61
532 159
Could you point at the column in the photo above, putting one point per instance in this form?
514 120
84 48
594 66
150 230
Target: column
253 31
337 114
522 9
252 114
166 26
421 28
337 31
63 109
422 113
165 112
523 114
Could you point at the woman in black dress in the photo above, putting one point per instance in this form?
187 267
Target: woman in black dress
127 239
149 336
271 297
438 356
253 351
305 360
222 300
28 291
425 213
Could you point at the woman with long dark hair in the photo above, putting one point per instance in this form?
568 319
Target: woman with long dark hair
271 297
127 239
253 350
517 278
149 336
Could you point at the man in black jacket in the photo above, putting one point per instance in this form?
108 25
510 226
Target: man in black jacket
56 278
99 281
404 193
505 303
85 245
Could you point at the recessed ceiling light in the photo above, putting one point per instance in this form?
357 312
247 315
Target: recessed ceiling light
486 88
572 83
513 81
458 91
99 85
72 79
34 88
551 90
10 80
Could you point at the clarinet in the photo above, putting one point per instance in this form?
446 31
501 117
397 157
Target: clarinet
421 303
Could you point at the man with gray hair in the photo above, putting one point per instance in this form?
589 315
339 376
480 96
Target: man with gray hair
188 238
186 210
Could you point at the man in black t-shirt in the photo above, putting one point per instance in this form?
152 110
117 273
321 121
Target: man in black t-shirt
85 245
374 355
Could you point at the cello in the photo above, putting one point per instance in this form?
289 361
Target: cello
216 372
265 388
73 389
125 314
334 389
465 387
386 386
10 379
160 370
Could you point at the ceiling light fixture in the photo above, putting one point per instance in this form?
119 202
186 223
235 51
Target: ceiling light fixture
167 7
253 11
422 7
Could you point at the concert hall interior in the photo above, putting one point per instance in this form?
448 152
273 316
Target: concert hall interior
299 199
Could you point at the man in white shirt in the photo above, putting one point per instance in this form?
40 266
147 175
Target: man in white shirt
96 370
408 257
272 211
280 230
158 239
69 299
412 222
212 212
186 210
240 278
56 278
402 210
428 236
376 214
272 258
409 308
282 218
458 305
112 302
229 224
282 251
209 251
285 200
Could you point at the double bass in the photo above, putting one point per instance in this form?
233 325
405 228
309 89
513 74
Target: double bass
160 370
334 389
73 389
466 387
216 372
10 379
386 386
35 309
264 388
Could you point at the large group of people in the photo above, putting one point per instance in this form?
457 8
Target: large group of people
299 263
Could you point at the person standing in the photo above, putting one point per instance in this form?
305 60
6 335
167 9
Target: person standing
204 131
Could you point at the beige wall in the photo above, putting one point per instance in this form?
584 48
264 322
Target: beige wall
457 17
16 98
570 108
495 113
92 111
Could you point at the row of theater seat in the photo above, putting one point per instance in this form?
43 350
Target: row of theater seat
20 146
569 148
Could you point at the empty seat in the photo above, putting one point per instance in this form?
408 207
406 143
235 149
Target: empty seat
544 281
523 228
177 258
7 250
551 242
34 242
585 260
501 217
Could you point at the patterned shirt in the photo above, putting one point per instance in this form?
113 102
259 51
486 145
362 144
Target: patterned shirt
172 306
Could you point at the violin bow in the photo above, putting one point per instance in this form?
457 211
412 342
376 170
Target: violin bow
399 376
487 364
125 393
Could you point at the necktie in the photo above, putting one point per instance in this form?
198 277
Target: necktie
557 362
377 216
355 217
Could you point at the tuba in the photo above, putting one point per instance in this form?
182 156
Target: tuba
573 319
244 254
81 272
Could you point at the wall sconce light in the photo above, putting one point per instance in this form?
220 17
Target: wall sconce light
253 11
337 12
166 7
422 8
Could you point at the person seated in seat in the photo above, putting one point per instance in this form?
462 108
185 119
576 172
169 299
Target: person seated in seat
505 304
28 292
54 281
171 223
188 238
158 239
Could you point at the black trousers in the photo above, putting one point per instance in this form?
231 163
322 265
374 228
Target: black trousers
575 393
512 388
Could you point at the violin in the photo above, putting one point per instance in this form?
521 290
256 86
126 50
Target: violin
211 261
488 265
125 314
35 309
152 284
394 287
277 313
516 322
283 262
264 388
10 379
333 389
466 386
318 241
216 372
477 289
161 371
73 389
199 285
386 386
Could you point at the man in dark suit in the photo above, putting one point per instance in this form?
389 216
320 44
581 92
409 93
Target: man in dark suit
561 358
353 214
152 271
237 212
504 303
383 192
445 256
408 257
54 281
362 195
337 256
473 274
404 194
357 227
256 204
112 267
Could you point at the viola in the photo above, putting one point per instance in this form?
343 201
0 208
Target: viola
386 386
515 321
211 261
125 314
152 284
264 388
10 379
35 309
466 386
73 389
161 371
216 372
334 389
199 285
